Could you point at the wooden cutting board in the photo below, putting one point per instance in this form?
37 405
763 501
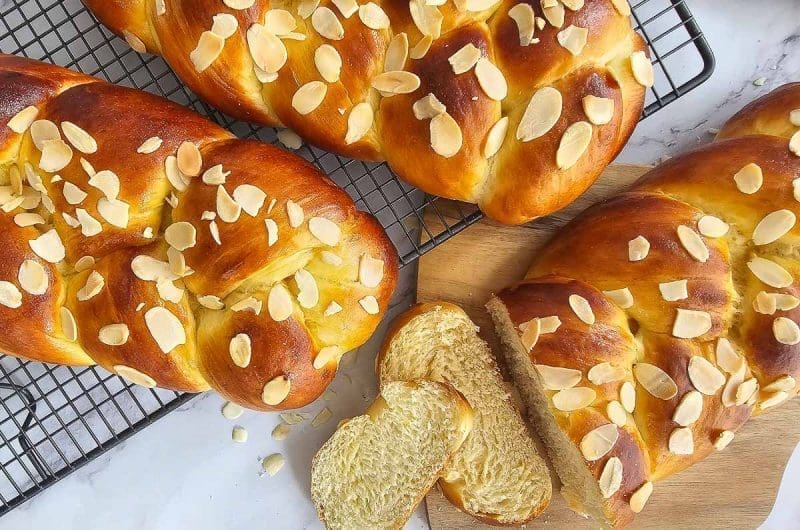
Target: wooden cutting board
735 488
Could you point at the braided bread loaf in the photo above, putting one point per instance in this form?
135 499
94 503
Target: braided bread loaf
233 265
514 106
660 320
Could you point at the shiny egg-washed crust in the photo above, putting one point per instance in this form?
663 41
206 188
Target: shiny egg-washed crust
244 264
521 182
589 257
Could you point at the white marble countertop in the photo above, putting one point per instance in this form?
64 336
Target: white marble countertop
185 472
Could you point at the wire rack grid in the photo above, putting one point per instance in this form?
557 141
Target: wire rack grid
54 419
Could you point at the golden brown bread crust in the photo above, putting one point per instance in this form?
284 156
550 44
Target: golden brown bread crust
521 182
729 299
158 293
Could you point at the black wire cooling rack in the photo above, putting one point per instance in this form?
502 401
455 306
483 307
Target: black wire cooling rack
54 419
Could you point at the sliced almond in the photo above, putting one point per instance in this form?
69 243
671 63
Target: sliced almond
228 209
616 413
43 130
655 380
491 79
151 145
73 194
56 155
690 324
373 16
295 214
308 295
327 355
611 477
250 198
231 411
749 179
639 497
84 264
704 376
598 442
428 107
208 49
723 440
673 291
622 297
189 159
396 53
68 325
94 284
266 49
28 219
558 378
276 390
573 39
248 303
332 309
359 122
279 22
305 8
642 69
794 117
681 441
549 324
638 248
241 349
80 139
426 17
786 331
727 358
22 120
794 144
524 17
212 176
554 12
446 137
530 335
224 25
273 464
107 182
627 396
325 22
773 226
693 243
495 138
10 295
328 63
746 390
309 96
689 409
600 111
711 226
541 114
770 272
211 302
114 334
33 277
48 246
603 373
370 271
571 399
785 383
580 306
181 235
178 180
165 328
279 303
134 41
114 212
774 399
272 232
396 82
465 58
421 48
169 292
290 139
134 376
347 8
370 305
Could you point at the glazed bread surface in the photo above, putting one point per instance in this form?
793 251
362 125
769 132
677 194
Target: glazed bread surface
514 106
376 468
141 237
497 476
656 323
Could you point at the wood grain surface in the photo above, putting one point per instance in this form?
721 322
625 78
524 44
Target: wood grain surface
735 488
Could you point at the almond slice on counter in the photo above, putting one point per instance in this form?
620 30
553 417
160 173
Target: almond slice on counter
541 114
134 376
48 246
689 409
611 477
603 373
290 139
600 111
770 272
713 227
80 139
276 390
396 82
273 464
359 122
575 398
373 16
524 17
208 49
22 120
266 49
134 41
279 22
638 248
32 277
674 291
574 142
328 63
224 25
309 96
749 179
324 21
642 69
573 39
428 107
786 331
114 334
773 226
231 411
641 495
622 297
558 378
396 53
491 79
165 328
464 59
241 349
655 380
598 442
693 243
279 303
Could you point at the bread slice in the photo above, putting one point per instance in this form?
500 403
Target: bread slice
376 468
497 476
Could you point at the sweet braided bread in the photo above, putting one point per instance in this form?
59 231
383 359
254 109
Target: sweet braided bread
515 106
142 237
656 323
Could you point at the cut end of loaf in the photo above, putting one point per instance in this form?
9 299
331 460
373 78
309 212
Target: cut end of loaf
579 487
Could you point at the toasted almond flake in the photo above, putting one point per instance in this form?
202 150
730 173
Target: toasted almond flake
770 272
28 219
332 309
554 12
573 39
794 144
281 431
266 49
749 179
421 48
465 58
48 246
13 204
33 277
786 331
693 243
495 138
673 291
208 49
359 122
396 53
177 262
309 96
600 111
134 376
107 182
250 198
10 295
681 441
785 302
22 120
523 15
611 477
427 18
627 396
689 409
598 442
711 226
396 82
43 130
616 413
114 334
373 16
727 358
370 305
327 355
541 114
446 137
151 145
239 4
491 79
79 138
428 107
558 378
642 69
94 284
328 63
723 440
784 383
580 306
279 303
624 9
73 194
165 328
189 159
639 497
56 155
295 213
622 297
276 390
530 334
571 399
774 399
603 373
655 380
231 411
240 349
773 226
325 22
370 271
